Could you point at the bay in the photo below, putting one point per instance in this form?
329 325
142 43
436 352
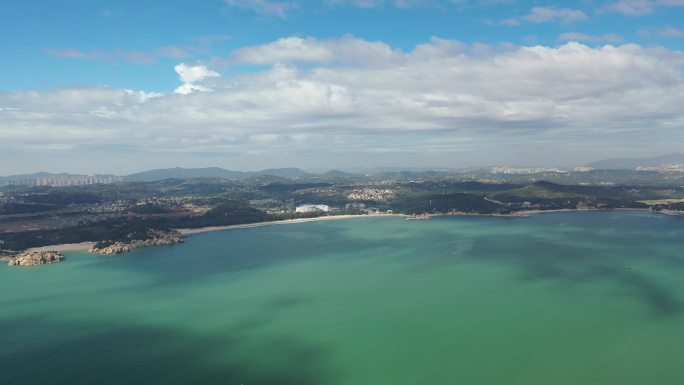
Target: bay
558 298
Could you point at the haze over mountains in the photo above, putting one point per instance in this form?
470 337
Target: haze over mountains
294 173
634 163
213 172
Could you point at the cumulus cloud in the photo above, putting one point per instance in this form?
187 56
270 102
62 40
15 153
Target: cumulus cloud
442 96
347 49
190 75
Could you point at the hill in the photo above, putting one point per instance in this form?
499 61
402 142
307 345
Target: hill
289 173
633 163
184 173
339 174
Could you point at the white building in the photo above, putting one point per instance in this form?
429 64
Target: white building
312 208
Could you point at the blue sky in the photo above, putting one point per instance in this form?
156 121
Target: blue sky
130 34
226 53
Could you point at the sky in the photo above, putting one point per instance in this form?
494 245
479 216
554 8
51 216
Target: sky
125 86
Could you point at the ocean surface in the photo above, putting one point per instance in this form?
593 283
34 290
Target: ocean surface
555 299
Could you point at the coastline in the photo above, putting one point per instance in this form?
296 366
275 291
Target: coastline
534 212
85 246
280 222
527 213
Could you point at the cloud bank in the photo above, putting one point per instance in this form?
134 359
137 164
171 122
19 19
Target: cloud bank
350 96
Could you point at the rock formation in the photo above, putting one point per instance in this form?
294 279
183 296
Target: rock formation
155 238
34 258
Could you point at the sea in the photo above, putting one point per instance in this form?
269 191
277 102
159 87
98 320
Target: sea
553 299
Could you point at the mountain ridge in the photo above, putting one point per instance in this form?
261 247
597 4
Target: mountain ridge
633 163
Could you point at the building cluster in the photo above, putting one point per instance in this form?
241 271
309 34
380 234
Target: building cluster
370 194
525 170
76 180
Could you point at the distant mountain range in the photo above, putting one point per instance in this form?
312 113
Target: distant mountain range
207 172
633 163
296 173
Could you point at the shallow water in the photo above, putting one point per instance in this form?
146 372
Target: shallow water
566 298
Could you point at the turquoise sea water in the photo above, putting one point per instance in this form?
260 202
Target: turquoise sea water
554 299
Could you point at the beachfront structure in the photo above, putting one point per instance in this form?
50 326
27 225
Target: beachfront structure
312 208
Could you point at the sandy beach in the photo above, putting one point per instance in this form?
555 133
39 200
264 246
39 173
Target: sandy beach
63 248
84 246
282 222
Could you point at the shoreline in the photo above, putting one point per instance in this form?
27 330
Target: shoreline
85 246
200 230
527 213
534 212
62 248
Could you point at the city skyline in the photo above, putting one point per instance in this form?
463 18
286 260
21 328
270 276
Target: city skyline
121 87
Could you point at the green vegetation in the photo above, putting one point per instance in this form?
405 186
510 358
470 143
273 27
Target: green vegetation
121 229
50 215
444 203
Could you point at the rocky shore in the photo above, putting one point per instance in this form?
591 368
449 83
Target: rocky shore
34 258
155 238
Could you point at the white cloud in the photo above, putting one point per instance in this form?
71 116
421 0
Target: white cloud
285 50
356 3
347 49
631 7
440 97
190 75
580 36
174 51
511 22
546 14
112 56
265 7
670 32
409 4
639 7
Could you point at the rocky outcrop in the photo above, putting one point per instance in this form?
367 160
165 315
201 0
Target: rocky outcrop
114 248
34 258
155 238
